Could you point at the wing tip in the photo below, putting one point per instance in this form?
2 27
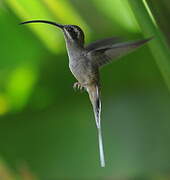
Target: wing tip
148 39
143 41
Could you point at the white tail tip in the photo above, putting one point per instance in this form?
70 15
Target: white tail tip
101 151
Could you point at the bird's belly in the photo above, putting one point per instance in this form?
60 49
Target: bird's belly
83 72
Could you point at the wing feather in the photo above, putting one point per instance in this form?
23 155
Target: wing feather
102 43
104 55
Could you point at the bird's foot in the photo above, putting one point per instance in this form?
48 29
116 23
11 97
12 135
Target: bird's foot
78 86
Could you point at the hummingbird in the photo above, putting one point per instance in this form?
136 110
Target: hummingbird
85 61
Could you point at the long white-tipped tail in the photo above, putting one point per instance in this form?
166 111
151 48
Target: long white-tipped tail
96 103
101 151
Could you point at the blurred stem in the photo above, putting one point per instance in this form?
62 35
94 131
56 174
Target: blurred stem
158 46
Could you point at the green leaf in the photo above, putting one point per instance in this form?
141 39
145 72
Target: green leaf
158 46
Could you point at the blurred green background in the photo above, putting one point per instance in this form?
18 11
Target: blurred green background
47 131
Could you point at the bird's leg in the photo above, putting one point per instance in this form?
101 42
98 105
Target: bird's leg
78 85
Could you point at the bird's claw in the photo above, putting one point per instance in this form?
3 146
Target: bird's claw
78 86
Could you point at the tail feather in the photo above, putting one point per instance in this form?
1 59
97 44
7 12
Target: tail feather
96 103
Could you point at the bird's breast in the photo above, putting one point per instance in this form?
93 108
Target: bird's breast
82 69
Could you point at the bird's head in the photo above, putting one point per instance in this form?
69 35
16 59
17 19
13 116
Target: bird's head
72 33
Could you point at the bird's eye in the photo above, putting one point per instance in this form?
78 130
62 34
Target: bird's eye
68 29
72 32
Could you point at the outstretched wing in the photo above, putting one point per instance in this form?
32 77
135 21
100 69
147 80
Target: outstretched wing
103 55
102 43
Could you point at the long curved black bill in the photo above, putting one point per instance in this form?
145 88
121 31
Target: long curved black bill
44 21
